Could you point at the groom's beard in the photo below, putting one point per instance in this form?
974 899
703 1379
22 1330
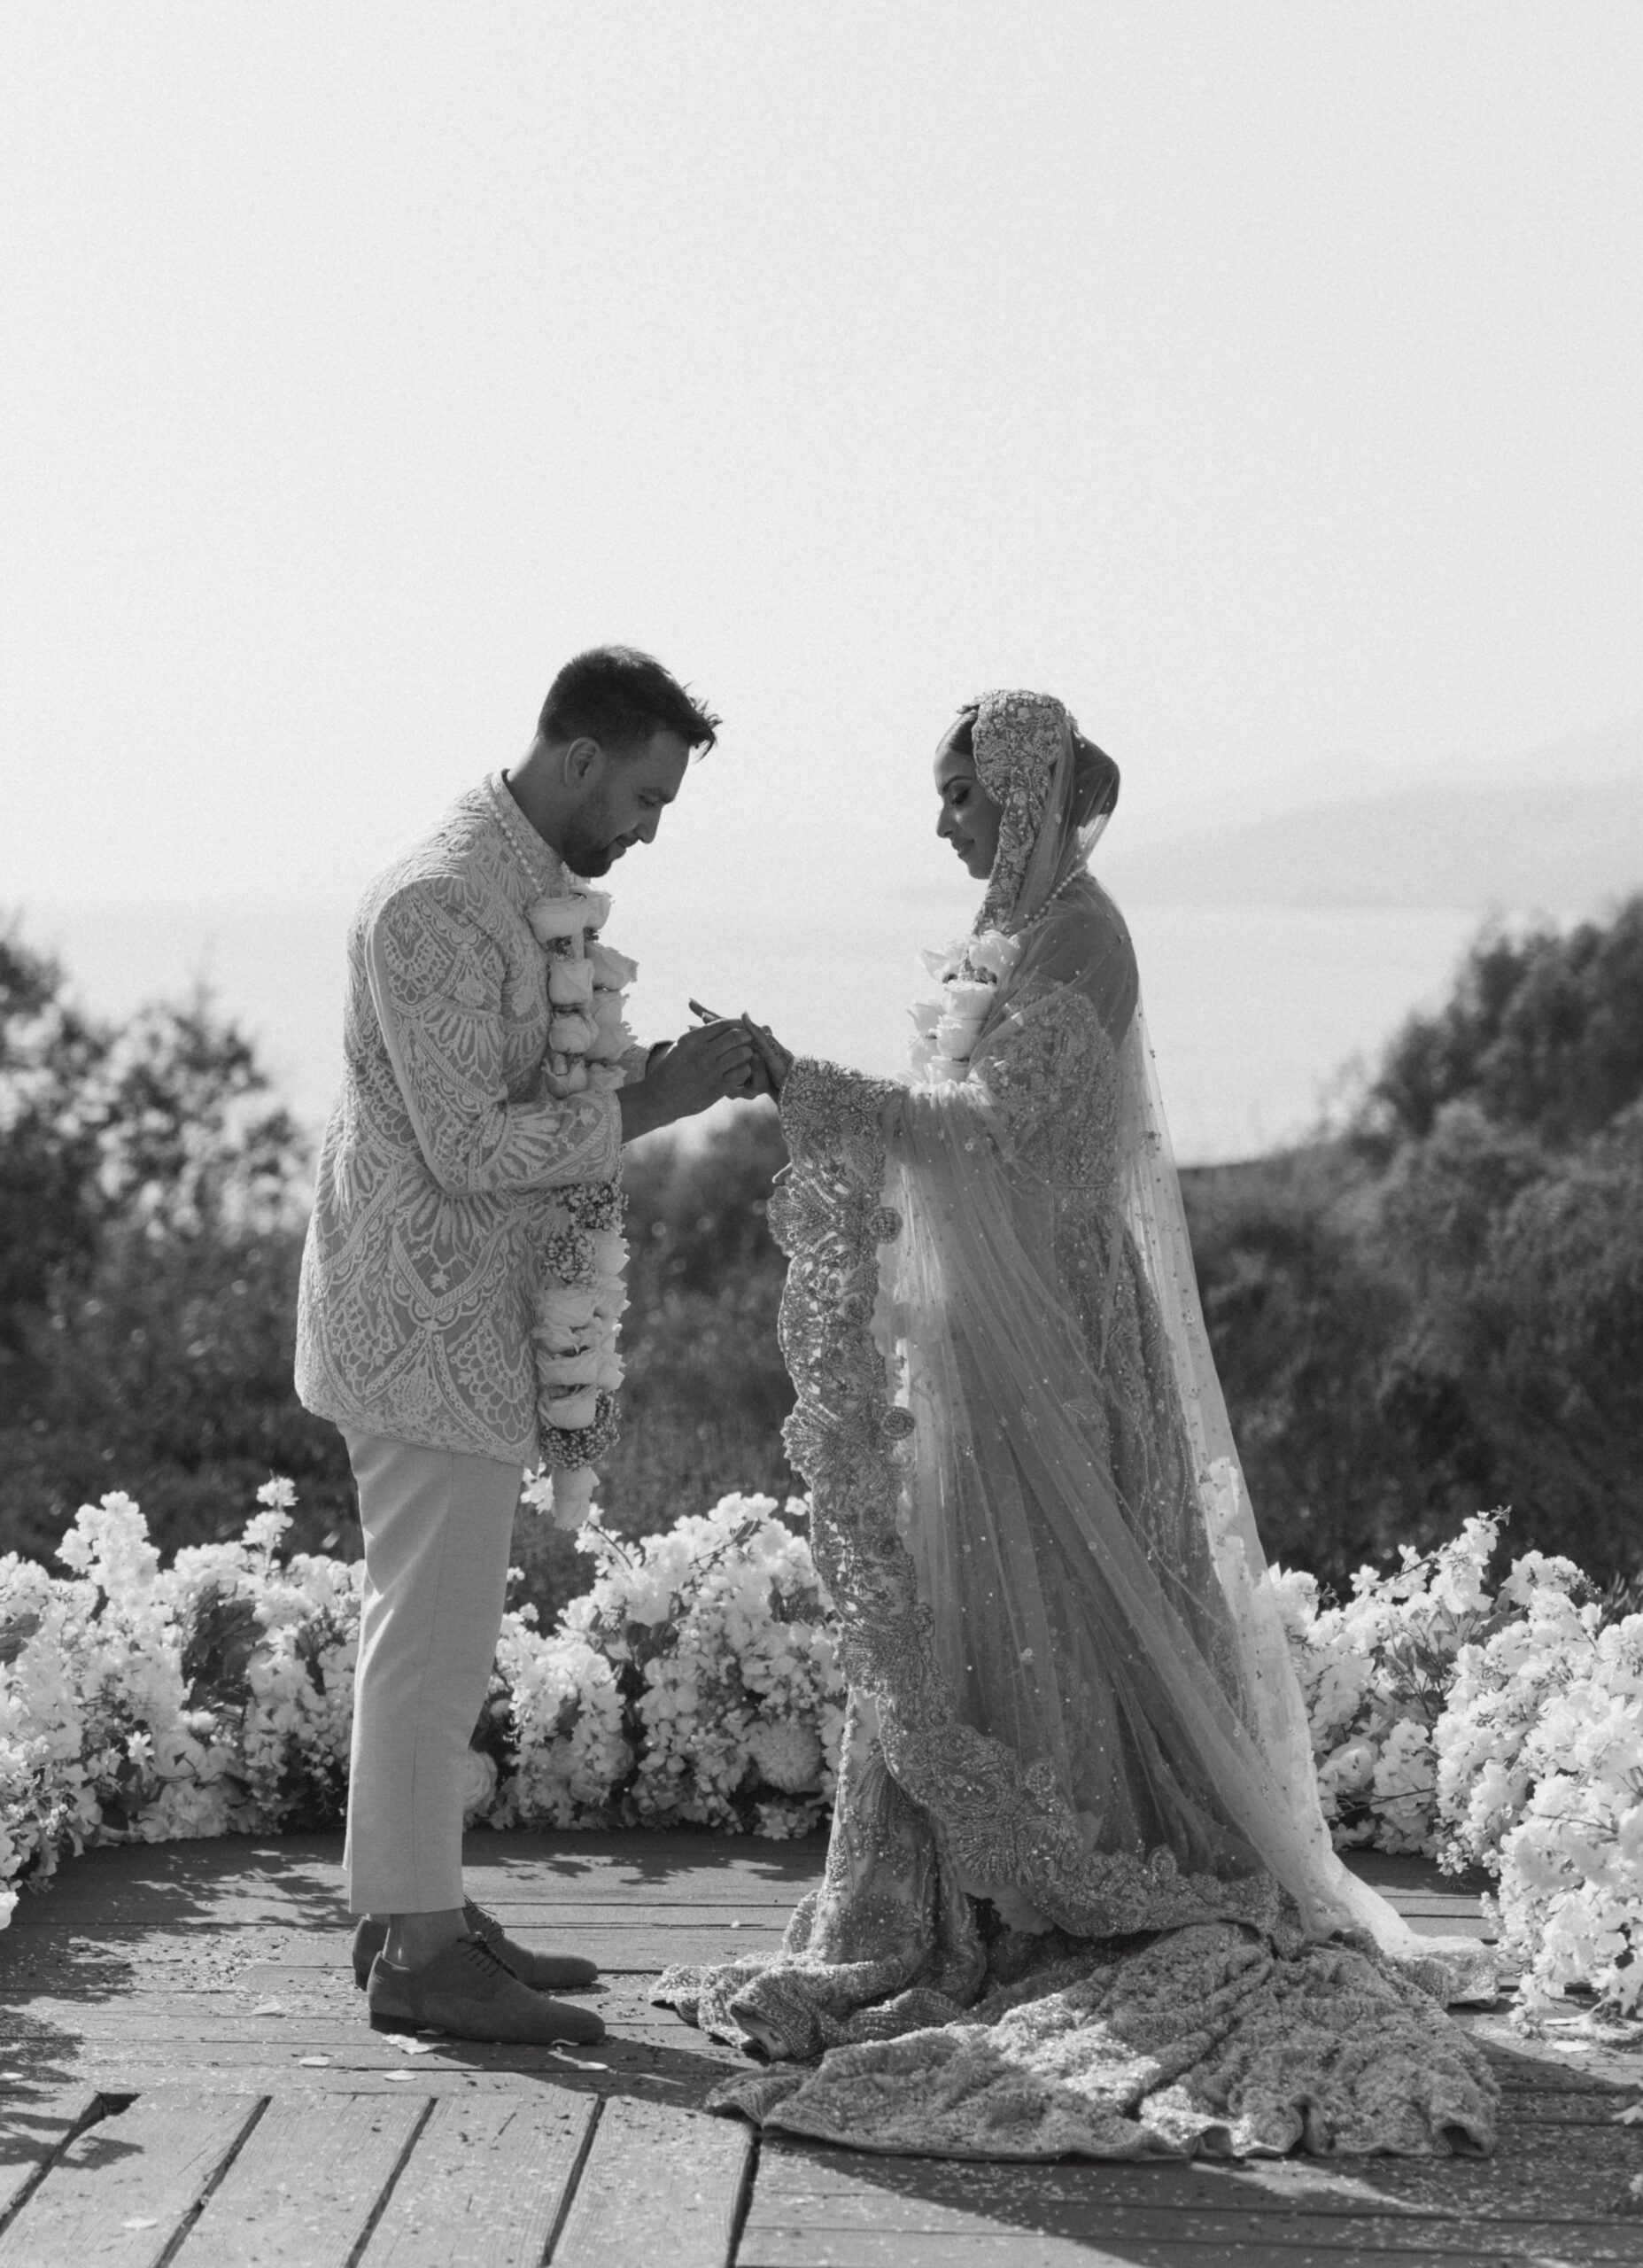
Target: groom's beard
592 847
589 859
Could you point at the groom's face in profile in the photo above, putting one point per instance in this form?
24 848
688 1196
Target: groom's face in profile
621 793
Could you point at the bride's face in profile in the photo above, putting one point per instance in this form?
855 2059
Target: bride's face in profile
969 817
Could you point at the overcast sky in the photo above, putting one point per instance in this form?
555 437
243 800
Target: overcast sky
1266 380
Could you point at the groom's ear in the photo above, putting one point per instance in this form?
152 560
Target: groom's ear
580 756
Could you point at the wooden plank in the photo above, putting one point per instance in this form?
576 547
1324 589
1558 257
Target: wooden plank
1586 2183
764 2246
335 1978
910 2212
626 1952
544 1918
320 2029
613 1895
1434 1901
1520 2117
123 2188
817 2208
221 1900
310 2019
297 1865
1030 2248
485 2184
620 1946
1127 2226
1388 1871
535 1926
269 1991
102 1919
649 1851
115 2066
77 1899
305 2186
33 2128
659 2184
682 2080
1451 1925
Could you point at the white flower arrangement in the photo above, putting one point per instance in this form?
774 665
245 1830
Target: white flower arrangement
945 1030
1540 1778
716 1633
138 1703
1499 1728
1376 1671
696 1683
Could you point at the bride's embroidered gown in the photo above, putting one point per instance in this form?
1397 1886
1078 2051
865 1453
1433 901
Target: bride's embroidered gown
1078 1895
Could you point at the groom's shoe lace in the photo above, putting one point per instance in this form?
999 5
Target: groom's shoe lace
468 1991
543 1972
488 1930
488 1965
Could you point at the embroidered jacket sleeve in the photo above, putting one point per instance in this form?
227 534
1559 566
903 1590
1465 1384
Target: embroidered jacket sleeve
437 982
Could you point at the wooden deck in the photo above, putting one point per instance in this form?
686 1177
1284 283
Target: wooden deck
186 2075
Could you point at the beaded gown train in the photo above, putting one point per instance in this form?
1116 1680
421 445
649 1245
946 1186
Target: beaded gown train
1078 1895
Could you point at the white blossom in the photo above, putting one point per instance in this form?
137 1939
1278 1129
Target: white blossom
696 1682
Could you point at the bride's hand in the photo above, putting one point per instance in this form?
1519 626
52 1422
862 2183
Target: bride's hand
770 1057
770 1063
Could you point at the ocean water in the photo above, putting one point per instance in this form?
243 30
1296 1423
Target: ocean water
1257 1016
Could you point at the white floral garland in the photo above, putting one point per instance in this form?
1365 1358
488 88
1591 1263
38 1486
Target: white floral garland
583 1294
945 1030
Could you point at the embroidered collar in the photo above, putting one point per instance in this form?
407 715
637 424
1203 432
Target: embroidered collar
543 869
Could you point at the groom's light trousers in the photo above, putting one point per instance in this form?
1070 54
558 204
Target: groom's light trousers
437 1528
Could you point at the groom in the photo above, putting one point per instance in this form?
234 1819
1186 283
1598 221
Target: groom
453 1171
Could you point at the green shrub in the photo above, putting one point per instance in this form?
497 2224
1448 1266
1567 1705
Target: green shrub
706 1390
150 1226
1445 1309
1544 1032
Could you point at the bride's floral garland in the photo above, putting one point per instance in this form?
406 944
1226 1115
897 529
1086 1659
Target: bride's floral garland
945 1030
582 1291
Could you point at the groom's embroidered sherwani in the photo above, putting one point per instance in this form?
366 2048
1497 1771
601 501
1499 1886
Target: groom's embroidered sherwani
439 1167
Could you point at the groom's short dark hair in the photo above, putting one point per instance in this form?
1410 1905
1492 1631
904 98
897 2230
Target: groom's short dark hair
618 696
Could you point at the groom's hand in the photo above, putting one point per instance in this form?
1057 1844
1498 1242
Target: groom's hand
702 1066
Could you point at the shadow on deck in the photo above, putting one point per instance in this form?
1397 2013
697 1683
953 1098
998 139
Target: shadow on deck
186 2073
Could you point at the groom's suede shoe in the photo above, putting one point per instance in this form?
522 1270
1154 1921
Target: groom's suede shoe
470 1992
543 1972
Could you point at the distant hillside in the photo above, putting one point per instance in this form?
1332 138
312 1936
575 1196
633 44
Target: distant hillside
1556 848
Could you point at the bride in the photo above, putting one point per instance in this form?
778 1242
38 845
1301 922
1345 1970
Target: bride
1080 1895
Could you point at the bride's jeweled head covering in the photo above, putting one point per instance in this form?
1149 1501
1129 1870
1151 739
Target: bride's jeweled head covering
1026 747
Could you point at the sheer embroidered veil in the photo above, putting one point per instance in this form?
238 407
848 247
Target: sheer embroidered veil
1212 1672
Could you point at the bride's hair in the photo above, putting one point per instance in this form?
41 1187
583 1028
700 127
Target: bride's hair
1095 774
1094 781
